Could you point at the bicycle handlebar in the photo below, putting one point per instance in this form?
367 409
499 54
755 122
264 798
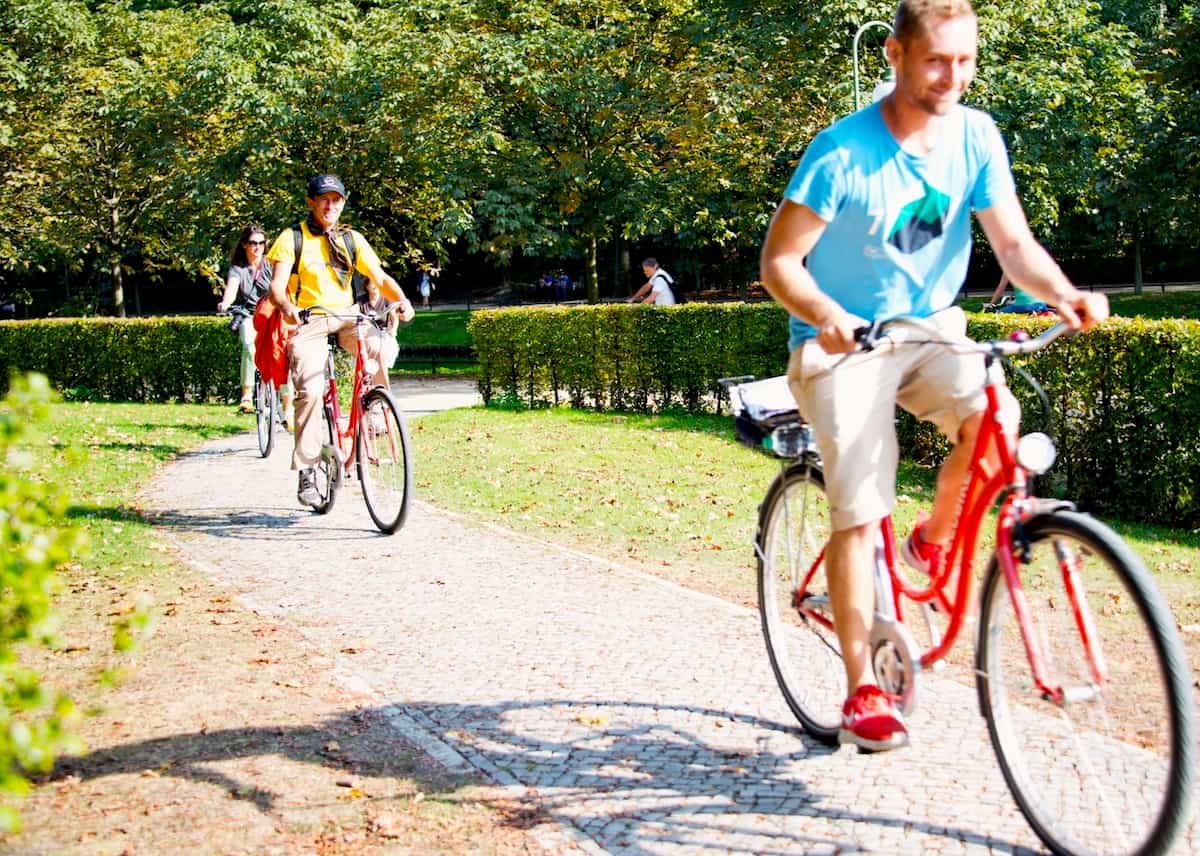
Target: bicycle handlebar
355 314
1019 342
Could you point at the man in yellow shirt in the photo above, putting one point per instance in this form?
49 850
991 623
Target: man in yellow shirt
322 276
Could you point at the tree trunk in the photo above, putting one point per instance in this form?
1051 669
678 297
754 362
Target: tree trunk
1137 261
621 286
118 284
593 282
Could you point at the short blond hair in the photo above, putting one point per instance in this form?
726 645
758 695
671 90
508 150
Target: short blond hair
912 15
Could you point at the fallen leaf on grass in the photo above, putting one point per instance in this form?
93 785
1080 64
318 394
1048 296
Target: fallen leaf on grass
385 826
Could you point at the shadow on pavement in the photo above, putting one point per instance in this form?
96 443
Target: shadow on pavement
673 785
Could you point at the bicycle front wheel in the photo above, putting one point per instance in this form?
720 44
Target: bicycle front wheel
328 469
384 461
793 599
264 414
1108 768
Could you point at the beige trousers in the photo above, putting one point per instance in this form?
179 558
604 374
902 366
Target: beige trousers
306 357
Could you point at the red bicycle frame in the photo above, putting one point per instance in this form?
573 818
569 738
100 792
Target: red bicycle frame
346 428
994 470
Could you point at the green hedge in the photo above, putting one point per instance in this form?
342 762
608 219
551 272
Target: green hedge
150 359
127 359
1125 397
624 357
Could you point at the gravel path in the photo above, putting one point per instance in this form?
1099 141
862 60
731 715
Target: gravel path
641 715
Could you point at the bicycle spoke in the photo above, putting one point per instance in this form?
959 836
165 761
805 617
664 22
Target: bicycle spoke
384 464
794 602
1097 767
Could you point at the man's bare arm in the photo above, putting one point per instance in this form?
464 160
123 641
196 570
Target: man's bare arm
1029 267
793 233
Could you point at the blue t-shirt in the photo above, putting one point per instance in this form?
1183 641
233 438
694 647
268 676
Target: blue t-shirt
898 237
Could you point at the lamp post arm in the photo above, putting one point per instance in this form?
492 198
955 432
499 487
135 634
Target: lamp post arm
857 37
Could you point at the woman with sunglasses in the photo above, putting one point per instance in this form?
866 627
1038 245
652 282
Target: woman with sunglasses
248 280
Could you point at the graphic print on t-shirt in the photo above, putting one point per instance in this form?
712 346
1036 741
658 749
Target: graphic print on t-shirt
920 221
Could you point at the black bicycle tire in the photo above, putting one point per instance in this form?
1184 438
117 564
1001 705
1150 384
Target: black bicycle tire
334 478
1174 671
823 726
387 525
264 422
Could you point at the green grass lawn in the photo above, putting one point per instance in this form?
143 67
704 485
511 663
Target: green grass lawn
1151 304
101 454
441 327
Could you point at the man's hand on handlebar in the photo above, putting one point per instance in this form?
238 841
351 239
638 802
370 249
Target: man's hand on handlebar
291 314
407 312
837 335
1083 310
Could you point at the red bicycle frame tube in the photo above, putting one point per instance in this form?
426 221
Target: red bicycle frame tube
993 470
346 450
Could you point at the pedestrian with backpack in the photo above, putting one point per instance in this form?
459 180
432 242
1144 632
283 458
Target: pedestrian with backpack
659 288
315 264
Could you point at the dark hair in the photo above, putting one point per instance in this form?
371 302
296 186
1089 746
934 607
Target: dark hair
913 15
650 262
238 256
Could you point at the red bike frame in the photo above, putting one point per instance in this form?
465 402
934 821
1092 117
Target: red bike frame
346 430
990 476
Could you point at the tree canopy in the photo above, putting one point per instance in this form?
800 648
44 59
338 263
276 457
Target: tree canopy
138 136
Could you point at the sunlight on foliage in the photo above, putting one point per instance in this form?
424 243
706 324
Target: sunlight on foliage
34 720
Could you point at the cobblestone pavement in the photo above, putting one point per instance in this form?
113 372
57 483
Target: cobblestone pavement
641 715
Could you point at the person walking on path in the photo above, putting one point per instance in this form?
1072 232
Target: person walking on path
426 288
323 275
875 223
249 278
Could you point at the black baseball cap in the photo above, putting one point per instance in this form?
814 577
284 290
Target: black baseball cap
326 182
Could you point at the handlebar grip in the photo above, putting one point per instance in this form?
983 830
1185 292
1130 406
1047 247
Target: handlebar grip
867 336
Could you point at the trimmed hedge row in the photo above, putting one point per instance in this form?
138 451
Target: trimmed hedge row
624 357
1125 397
130 359
147 359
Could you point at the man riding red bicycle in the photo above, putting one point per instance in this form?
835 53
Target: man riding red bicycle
323 276
880 207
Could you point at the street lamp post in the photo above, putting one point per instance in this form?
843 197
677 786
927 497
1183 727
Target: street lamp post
882 88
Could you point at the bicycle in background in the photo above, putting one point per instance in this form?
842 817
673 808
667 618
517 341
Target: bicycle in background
372 438
268 413
1080 672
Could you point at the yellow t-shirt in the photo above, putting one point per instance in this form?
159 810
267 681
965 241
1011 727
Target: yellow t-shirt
319 281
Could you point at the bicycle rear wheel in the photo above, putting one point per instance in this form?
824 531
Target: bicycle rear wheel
384 461
1109 770
328 469
797 620
265 408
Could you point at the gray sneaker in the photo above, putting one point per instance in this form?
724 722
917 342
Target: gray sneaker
307 492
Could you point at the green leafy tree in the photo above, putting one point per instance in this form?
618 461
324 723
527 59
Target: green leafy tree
34 721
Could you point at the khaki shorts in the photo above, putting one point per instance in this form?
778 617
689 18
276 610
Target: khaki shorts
850 402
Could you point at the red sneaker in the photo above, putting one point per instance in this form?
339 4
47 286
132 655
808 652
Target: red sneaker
920 554
871 721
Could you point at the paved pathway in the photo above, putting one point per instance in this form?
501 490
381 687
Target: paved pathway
641 715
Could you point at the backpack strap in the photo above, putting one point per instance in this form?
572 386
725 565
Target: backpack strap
298 247
348 239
